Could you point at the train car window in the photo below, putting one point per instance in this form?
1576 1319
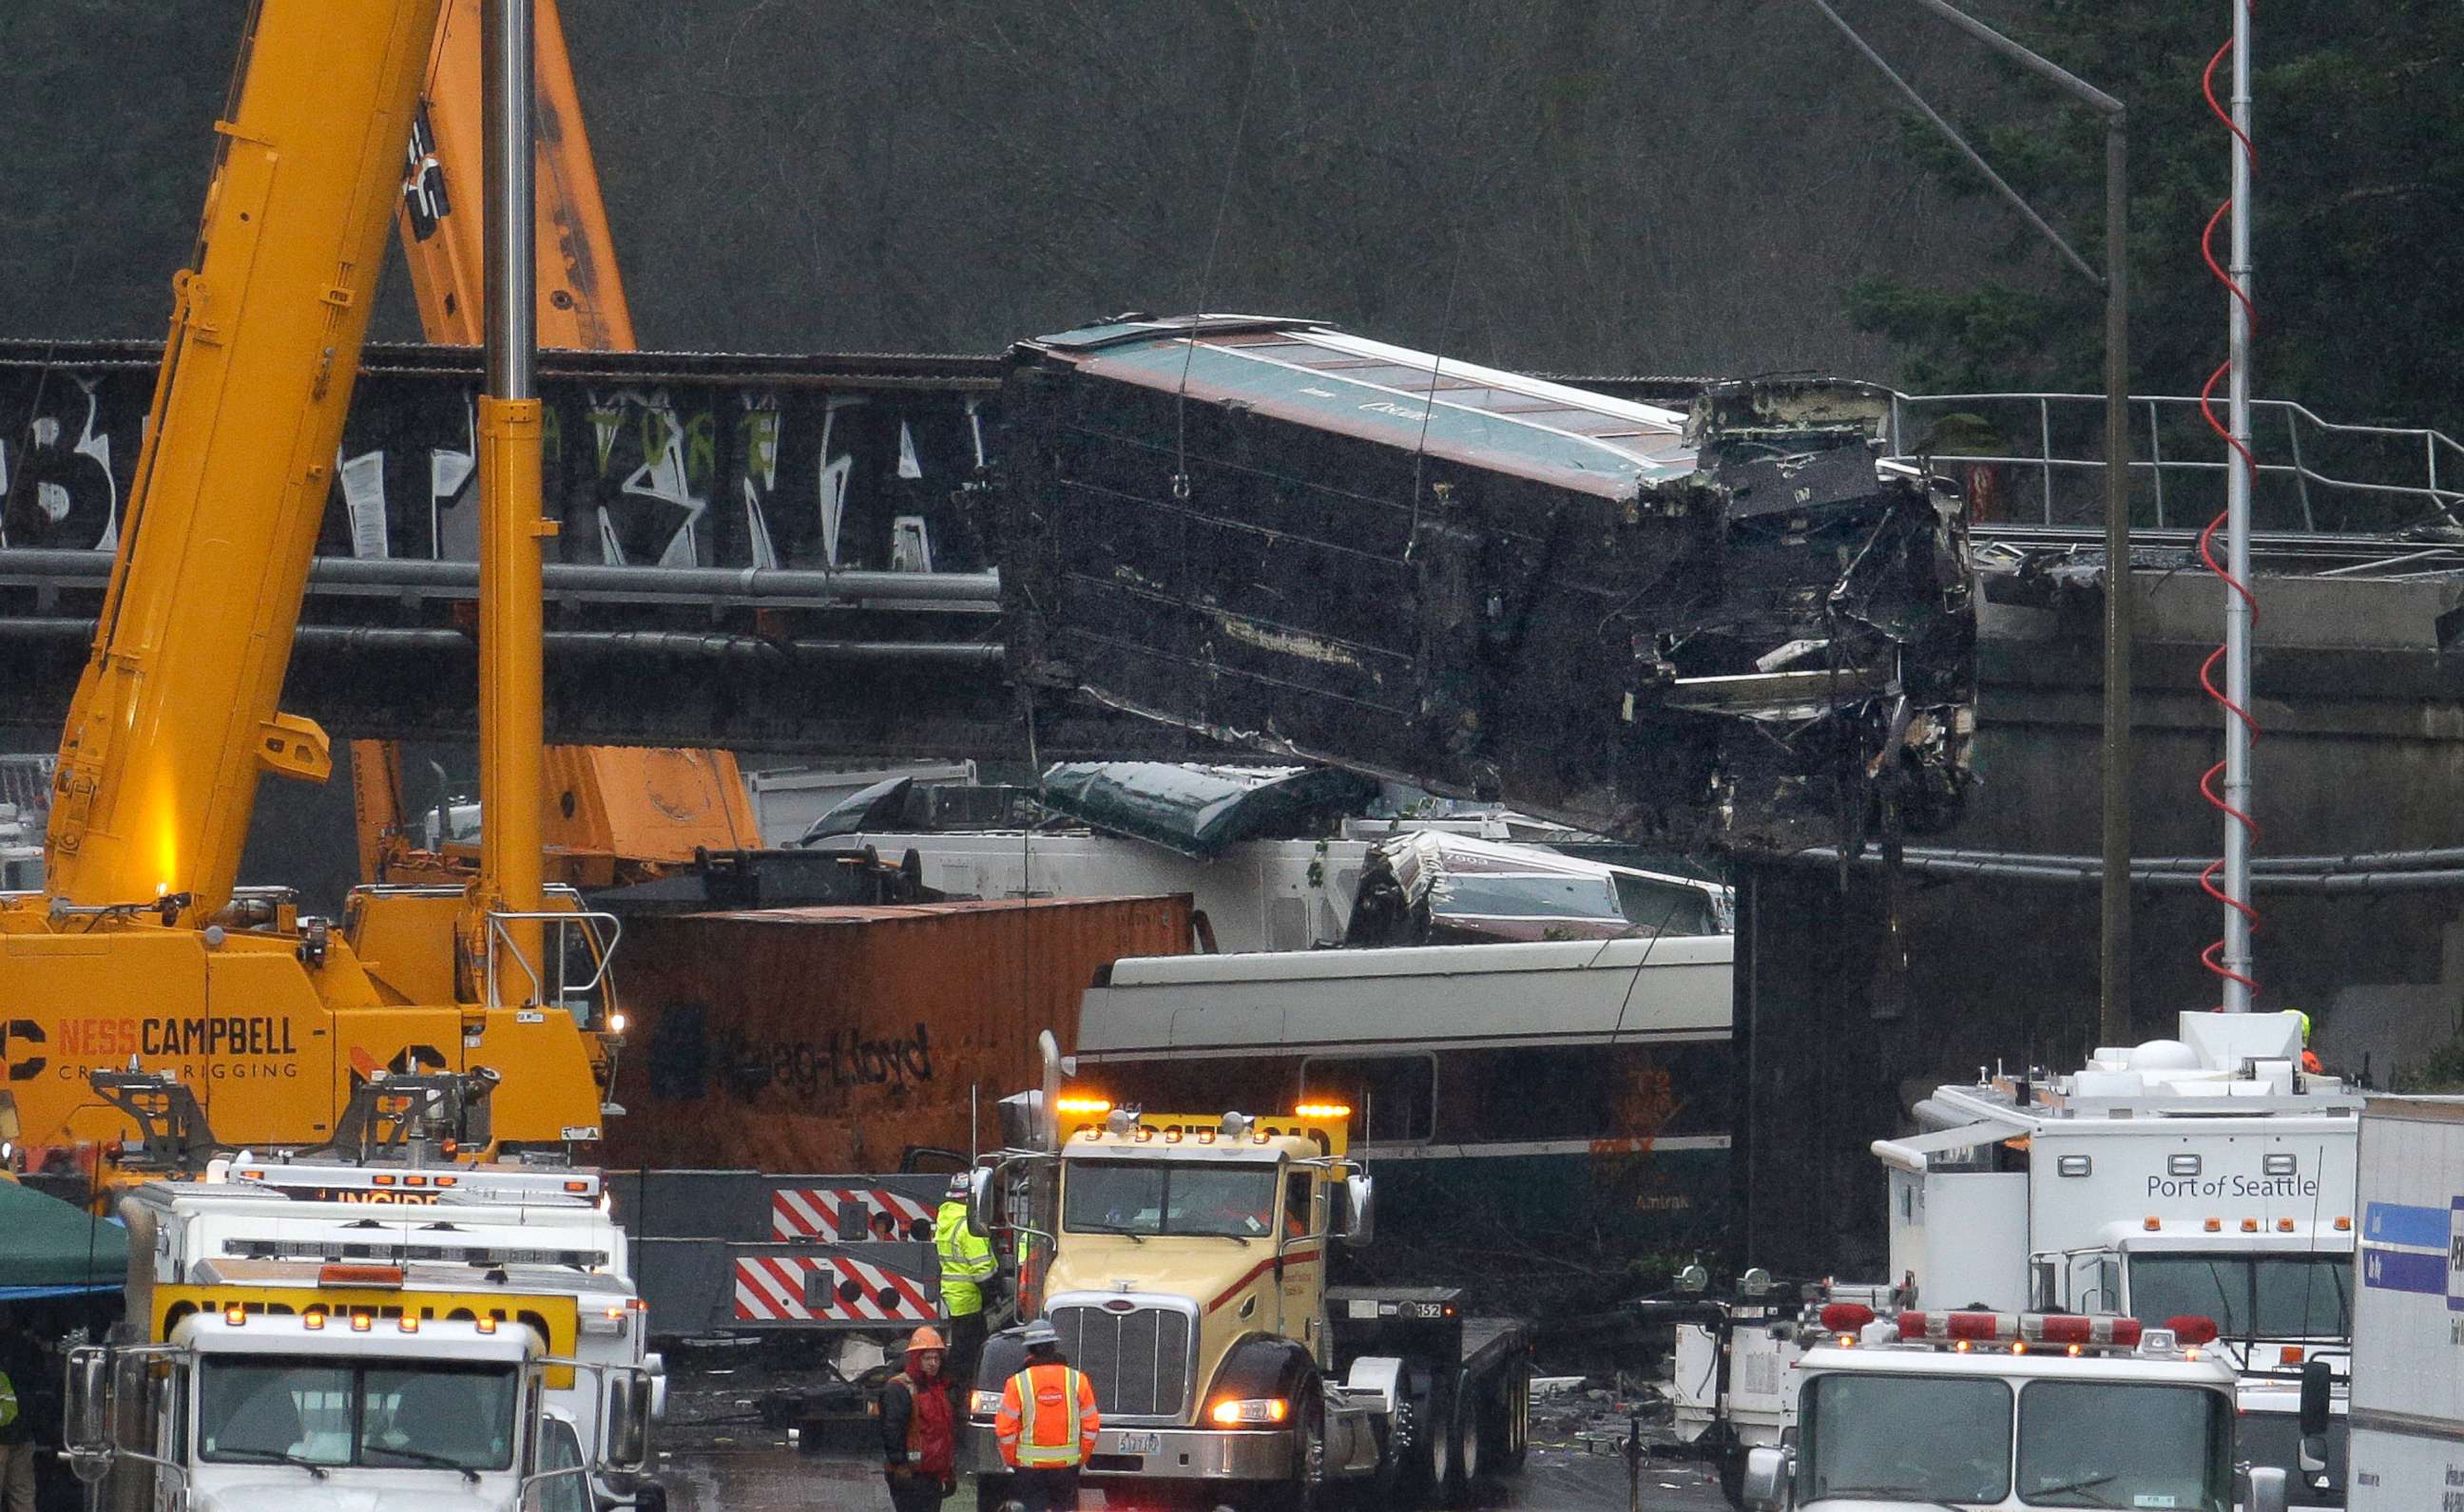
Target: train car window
1395 1095
1590 1093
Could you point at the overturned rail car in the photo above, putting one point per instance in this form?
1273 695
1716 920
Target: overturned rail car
1734 627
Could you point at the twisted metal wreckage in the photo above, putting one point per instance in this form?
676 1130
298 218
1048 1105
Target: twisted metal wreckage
1735 628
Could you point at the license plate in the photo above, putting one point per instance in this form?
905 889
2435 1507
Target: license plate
1136 1443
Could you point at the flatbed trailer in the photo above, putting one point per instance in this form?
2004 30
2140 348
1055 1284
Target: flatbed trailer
1466 1405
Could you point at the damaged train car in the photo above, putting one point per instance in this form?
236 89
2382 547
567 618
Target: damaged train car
1734 628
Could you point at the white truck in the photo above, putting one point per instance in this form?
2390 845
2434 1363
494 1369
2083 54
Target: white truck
2408 1380
335 1335
1971 1410
2207 1174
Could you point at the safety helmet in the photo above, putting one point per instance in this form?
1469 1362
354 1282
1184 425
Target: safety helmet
926 1338
961 1184
1039 1332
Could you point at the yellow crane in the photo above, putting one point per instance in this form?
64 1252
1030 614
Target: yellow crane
613 814
143 953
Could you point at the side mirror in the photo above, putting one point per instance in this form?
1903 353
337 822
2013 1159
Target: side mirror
1766 1481
2317 1391
2265 1492
628 1440
1358 1222
984 1200
87 1429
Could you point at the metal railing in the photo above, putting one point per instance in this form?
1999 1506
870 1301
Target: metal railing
598 951
2315 475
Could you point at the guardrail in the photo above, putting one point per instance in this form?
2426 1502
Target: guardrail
2315 475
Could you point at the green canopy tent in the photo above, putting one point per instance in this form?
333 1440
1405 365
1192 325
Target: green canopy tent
50 1248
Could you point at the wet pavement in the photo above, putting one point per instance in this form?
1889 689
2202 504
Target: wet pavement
774 1477
717 1453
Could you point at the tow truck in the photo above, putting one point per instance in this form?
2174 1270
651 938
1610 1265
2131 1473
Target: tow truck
2207 1173
1971 1411
1187 1275
372 1337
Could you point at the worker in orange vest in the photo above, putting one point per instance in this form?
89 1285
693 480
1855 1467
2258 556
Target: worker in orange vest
1046 1425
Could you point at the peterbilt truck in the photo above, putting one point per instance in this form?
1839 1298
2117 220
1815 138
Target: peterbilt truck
2203 1175
1184 1259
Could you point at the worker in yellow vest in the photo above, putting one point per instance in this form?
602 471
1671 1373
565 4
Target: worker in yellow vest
20 1367
967 1264
1046 1425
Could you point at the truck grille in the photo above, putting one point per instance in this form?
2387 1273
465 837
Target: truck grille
1138 1359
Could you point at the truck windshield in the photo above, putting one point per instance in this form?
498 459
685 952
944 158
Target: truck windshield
2110 1445
1905 1437
1126 1197
2262 1297
320 1412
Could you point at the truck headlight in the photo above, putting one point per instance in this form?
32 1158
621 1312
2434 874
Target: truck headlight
1248 1411
983 1404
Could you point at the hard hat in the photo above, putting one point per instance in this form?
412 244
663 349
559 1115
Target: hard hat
961 1184
926 1338
1039 1332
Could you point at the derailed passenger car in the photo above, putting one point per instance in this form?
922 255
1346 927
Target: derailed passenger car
1734 628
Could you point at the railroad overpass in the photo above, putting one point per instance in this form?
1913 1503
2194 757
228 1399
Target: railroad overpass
783 554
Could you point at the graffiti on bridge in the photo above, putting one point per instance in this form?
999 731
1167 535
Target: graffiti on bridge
681 472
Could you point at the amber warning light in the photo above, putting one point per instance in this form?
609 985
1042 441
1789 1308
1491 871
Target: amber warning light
1322 1110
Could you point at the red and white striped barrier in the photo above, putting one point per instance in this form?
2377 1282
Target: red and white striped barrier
772 1289
812 1212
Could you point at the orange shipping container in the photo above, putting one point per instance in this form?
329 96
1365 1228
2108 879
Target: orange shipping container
834 1039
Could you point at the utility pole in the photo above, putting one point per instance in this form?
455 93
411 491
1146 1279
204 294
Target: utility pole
2113 1015
2240 612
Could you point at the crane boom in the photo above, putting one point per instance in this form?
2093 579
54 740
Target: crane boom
176 713
146 988
613 815
581 296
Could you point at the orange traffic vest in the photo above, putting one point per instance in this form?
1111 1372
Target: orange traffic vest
1049 1423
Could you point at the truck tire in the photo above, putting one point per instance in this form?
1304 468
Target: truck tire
1731 1465
1306 1493
1427 1463
1506 1422
1465 1447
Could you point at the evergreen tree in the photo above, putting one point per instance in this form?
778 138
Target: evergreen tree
2360 279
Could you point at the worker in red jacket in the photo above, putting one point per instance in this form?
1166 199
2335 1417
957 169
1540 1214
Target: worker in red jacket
1047 1424
918 1434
